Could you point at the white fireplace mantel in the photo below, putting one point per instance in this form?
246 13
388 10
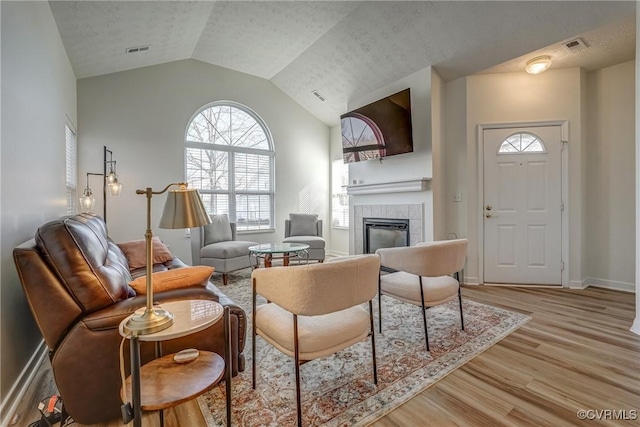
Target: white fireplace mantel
401 186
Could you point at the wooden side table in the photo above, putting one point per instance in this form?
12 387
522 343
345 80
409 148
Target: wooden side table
163 383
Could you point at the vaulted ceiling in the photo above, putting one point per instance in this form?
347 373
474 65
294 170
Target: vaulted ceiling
342 49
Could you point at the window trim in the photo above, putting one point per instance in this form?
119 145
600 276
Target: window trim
231 192
521 152
342 192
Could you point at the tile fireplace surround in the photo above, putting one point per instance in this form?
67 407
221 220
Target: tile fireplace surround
412 212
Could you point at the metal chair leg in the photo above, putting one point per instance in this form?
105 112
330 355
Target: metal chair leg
379 304
424 314
296 350
373 344
460 299
253 338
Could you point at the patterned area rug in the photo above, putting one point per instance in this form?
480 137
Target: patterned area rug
339 390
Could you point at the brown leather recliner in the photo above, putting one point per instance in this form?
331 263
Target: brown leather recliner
76 282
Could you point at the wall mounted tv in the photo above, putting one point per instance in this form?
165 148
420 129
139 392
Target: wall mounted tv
377 130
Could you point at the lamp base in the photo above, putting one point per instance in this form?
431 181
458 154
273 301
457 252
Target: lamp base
149 322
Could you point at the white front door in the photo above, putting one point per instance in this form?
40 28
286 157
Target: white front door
522 209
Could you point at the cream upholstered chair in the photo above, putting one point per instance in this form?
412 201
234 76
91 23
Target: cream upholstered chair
215 245
423 276
307 229
315 310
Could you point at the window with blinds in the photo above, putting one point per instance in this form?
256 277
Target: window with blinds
71 150
339 196
229 158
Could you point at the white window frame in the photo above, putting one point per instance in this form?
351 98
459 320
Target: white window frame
339 181
231 150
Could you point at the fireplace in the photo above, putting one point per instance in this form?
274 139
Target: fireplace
384 233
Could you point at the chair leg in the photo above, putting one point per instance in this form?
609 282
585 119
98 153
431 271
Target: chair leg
379 304
373 344
424 313
296 350
225 279
253 338
460 298
461 316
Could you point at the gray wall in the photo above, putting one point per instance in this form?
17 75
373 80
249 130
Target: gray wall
38 98
142 115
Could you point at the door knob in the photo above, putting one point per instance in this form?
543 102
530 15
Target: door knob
488 215
488 207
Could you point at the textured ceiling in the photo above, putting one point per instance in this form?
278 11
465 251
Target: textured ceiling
343 49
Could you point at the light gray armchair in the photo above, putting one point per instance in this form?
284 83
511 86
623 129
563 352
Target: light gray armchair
305 228
215 245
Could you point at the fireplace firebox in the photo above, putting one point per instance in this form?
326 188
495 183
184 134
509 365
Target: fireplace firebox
384 233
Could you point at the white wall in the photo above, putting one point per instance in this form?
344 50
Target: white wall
141 115
38 97
610 171
339 237
454 154
437 134
504 98
404 166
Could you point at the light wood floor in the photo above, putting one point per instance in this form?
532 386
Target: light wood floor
576 353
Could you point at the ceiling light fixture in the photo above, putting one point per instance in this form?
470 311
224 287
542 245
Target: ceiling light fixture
538 65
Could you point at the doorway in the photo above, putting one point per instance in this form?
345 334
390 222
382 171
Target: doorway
522 204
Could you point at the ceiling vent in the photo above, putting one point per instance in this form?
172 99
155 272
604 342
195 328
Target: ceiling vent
137 49
575 45
318 95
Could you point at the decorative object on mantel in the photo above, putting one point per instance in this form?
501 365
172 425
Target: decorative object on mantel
183 209
339 390
399 186
87 201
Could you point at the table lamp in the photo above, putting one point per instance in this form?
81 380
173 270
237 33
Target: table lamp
183 209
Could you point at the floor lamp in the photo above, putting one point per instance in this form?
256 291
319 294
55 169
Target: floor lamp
183 209
111 182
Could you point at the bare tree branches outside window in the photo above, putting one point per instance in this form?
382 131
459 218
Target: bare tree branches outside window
229 159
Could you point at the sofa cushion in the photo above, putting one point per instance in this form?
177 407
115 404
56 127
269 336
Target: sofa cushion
218 231
91 266
174 279
136 252
303 224
226 250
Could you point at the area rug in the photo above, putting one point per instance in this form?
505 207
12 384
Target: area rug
339 390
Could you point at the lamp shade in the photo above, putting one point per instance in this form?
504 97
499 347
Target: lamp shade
184 209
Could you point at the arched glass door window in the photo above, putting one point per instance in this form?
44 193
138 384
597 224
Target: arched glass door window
522 142
229 158
362 139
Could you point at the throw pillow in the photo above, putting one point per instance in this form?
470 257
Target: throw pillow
136 252
303 224
174 279
218 231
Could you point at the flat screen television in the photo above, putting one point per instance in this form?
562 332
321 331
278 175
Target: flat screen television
377 130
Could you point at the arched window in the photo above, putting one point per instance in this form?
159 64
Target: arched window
522 142
229 158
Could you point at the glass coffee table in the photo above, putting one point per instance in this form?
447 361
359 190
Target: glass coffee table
266 252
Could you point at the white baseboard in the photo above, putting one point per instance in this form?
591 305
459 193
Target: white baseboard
610 284
578 284
17 392
337 253
635 328
470 280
